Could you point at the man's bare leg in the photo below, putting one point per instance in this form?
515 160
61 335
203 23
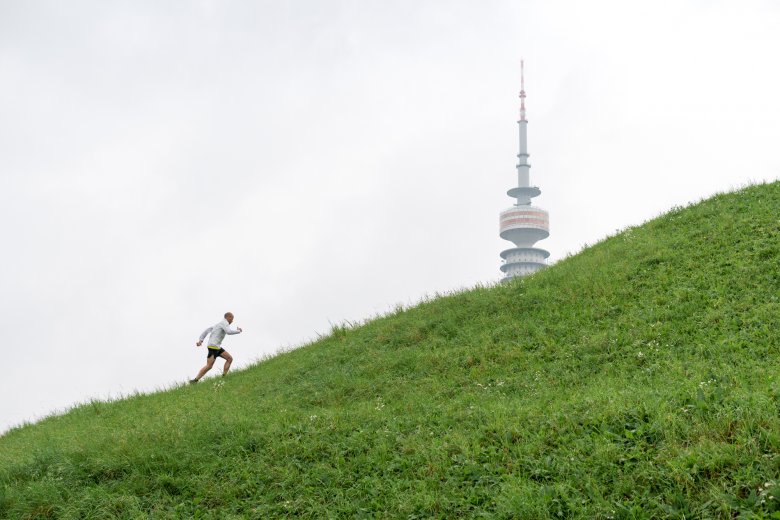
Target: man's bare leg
228 361
209 364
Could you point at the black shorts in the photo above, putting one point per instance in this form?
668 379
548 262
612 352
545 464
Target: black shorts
214 352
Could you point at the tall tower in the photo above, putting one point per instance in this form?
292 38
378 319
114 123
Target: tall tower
523 223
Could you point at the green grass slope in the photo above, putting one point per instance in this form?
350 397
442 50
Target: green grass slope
637 379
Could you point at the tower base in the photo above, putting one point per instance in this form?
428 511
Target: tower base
522 261
521 270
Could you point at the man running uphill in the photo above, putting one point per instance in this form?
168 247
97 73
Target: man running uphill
214 349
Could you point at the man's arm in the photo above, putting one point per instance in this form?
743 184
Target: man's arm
203 335
229 331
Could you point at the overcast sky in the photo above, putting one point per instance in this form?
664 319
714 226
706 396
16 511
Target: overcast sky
302 163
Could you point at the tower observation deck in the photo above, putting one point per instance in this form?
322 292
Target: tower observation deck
523 224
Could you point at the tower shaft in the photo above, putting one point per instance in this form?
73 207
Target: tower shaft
523 168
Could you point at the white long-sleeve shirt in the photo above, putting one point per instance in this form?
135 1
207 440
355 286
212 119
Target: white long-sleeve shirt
218 332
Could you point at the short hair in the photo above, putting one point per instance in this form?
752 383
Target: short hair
228 314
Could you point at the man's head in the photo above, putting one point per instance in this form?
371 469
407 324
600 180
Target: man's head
229 317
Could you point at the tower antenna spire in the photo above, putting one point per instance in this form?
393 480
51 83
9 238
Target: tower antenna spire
522 92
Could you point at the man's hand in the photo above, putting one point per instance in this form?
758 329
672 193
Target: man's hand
199 343
239 329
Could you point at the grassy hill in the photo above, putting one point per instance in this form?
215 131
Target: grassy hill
637 379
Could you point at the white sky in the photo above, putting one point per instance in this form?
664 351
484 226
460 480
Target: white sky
302 163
